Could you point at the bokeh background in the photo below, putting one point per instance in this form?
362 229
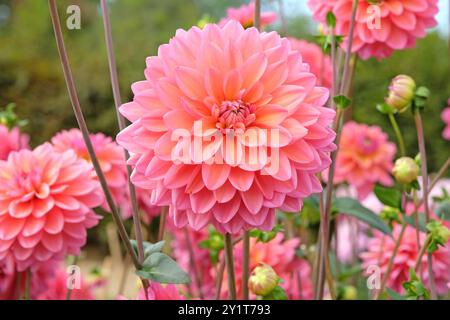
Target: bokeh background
31 76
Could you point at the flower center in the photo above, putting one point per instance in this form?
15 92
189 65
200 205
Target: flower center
234 115
367 145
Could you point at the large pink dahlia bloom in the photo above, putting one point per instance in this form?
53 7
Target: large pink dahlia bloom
382 26
365 158
319 63
227 126
11 140
245 15
46 201
445 115
380 250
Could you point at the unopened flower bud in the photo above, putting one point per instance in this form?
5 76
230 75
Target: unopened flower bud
439 235
349 293
263 280
401 93
405 170
390 215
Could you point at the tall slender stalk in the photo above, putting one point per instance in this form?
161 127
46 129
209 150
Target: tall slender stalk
398 135
162 223
246 265
424 169
28 276
193 266
229 260
257 23
83 127
122 125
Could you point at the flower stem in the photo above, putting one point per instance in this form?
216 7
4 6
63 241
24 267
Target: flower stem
421 253
193 266
83 127
122 125
349 48
257 23
391 262
423 160
162 223
398 134
245 265
28 285
69 290
229 260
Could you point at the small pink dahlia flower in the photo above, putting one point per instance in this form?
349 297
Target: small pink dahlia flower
281 256
227 126
156 291
46 201
319 63
11 140
111 158
445 115
365 158
382 26
380 250
245 15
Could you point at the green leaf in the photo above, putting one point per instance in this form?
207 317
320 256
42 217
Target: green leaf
410 220
443 210
385 108
352 207
394 295
389 196
161 268
277 294
342 102
149 248
331 20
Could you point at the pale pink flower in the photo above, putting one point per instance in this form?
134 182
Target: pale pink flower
280 254
56 288
203 264
445 115
319 63
245 15
11 140
365 158
397 26
381 247
156 291
46 201
228 91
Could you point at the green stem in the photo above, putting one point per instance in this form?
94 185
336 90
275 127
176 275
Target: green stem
398 134
229 260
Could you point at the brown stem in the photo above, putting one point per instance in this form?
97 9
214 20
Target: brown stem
349 47
229 260
219 278
421 253
69 290
162 223
28 276
391 262
122 125
246 265
83 127
257 23
198 281
436 179
423 160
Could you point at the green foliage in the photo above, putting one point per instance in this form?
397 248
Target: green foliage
277 294
414 288
389 196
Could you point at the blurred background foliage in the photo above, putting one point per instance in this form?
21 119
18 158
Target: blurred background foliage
30 73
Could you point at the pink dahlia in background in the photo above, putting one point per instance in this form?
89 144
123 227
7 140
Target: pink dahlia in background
381 247
56 288
245 15
156 291
11 140
182 239
281 256
46 201
112 161
365 158
445 115
228 125
381 26
319 63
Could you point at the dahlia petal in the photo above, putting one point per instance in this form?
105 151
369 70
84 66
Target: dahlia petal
270 115
41 207
232 85
10 227
19 209
196 220
66 202
215 175
29 242
241 180
253 199
52 242
224 212
55 222
202 201
224 193
189 80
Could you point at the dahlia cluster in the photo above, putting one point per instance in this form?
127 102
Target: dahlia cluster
245 15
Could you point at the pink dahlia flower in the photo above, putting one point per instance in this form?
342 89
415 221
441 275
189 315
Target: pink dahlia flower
319 63
280 255
380 250
245 15
46 201
365 158
156 291
381 26
227 126
11 141
56 288
445 115
112 161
